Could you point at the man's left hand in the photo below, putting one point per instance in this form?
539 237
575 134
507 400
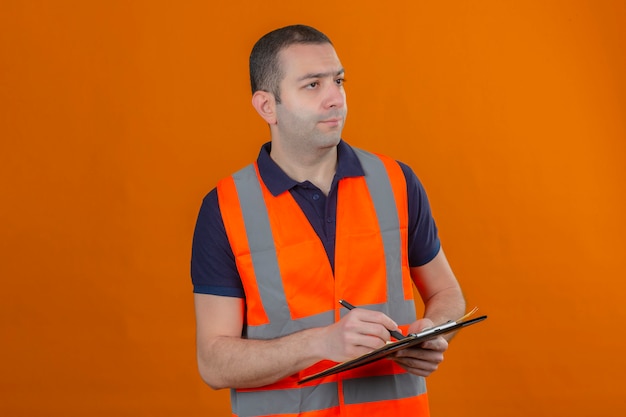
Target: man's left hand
424 359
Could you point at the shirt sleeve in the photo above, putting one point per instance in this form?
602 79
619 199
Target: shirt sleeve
213 267
424 241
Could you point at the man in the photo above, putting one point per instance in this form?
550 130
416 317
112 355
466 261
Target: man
313 221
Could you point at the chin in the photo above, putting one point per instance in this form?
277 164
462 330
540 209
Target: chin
331 141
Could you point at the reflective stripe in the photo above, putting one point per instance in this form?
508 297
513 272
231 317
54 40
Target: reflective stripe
278 328
382 388
379 187
284 401
262 249
403 312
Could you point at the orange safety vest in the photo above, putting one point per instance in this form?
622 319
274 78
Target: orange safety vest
290 286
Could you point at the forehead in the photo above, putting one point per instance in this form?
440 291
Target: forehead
301 60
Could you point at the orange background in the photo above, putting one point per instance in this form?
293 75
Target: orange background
117 117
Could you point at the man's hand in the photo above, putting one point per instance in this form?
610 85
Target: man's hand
357 333
424 359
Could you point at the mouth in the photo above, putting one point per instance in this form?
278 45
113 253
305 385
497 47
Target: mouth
333 121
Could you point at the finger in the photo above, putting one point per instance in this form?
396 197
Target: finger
419 361
439 344
368 335
372 323
420 325
371 335
418 367
377 317
419 354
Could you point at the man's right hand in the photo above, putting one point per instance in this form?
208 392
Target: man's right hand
357 333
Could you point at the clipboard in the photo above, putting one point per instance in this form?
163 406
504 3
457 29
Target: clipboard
390 348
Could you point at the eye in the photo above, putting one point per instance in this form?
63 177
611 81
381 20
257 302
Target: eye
340 81
312 85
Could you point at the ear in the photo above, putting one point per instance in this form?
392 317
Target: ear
265 104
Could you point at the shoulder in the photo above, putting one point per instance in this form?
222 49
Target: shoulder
213 267
209 227
412 181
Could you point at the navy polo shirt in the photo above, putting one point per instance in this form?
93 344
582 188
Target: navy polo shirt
213 268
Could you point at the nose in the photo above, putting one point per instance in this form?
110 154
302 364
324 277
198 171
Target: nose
335 96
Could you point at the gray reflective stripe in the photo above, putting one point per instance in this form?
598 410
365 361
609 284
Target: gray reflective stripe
282 328
403 312
382 388
261 244
379 186
284 401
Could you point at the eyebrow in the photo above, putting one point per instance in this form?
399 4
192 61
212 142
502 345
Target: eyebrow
320 75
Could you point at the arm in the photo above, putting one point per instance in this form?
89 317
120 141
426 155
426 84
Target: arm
443 301
226 360
439 289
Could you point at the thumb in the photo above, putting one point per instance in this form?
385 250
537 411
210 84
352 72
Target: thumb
420 325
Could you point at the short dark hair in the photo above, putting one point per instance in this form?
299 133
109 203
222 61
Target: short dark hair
265 70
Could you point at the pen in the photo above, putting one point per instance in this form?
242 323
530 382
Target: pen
397 335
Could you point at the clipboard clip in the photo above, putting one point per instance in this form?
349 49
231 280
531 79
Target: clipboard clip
445 326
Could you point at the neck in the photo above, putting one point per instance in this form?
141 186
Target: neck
316 167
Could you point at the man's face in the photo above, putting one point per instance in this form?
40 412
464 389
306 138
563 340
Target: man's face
313 109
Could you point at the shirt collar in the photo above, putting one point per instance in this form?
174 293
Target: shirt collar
278 182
